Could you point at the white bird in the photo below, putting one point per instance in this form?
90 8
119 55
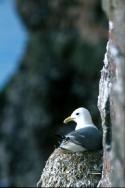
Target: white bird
86 135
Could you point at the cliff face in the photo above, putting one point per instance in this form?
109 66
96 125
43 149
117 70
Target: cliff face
112 97
59 72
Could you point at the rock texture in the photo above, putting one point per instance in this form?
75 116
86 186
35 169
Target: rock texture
112 97
104 107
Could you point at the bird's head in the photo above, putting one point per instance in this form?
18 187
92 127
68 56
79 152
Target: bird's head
81 116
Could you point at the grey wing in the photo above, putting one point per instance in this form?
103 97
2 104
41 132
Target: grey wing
89 138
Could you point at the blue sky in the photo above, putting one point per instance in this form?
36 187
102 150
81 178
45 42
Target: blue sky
13 39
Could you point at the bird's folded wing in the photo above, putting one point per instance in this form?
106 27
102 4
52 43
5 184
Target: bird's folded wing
89 138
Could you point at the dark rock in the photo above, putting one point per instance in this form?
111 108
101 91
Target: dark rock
59 72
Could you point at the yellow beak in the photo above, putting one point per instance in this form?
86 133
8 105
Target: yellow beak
68 119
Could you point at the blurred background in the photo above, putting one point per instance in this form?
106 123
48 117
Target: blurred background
51 54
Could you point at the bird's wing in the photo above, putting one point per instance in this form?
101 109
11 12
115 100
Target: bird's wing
88 137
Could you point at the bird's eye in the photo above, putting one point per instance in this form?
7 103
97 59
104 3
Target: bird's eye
77 113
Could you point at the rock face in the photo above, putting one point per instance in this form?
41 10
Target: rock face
65 169
112 97
59 72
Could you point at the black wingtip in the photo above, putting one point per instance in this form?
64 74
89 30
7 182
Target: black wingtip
60 136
